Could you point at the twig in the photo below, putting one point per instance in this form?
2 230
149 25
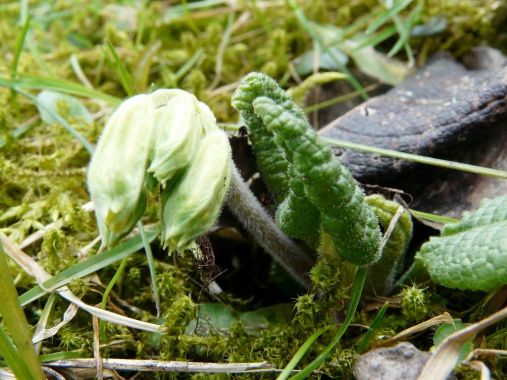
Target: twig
97 358
438 320
53 373
164 366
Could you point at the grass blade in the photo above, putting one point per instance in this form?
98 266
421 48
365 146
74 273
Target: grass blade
299 354
15 321
123 74
43 319
151 266
357 289
386 16
31 82
314 34
365 341
62 355
19 48
189 64
419 159
375 39
86 267
12 357
432 217
108 290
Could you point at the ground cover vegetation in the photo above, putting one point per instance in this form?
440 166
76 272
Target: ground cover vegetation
145 278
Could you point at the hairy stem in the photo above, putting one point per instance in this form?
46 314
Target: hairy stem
245 206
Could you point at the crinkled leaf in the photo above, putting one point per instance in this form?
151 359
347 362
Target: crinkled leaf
327 184
472 253
490 211
381 275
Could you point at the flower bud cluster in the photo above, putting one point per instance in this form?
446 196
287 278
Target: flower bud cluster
172 138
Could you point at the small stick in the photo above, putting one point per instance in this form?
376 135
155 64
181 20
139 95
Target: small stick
164 366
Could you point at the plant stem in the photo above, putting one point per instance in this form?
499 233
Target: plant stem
250 213
108 291
365 341
16 323
151 266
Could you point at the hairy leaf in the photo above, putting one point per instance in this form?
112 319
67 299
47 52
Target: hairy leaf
490 211
381 275
472 253
270 157
297 216
349 221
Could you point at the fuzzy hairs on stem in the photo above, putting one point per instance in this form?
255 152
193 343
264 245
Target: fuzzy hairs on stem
250 213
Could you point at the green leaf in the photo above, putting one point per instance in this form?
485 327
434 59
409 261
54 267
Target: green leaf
381 275
32 82
55 101
471 254
434 26
490 211
327 184
376 64
304 64
222 317
449 328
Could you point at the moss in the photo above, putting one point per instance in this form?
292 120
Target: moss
414 303
43 168
54 254
75 339
470 23
176 318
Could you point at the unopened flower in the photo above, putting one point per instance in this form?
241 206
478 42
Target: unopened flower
177 132
116 176
193 206
167 137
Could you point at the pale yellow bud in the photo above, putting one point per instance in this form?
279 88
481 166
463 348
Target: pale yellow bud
116 176
177 133
207 119
162 96
193 206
